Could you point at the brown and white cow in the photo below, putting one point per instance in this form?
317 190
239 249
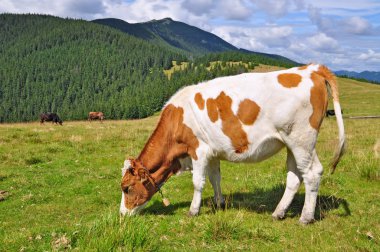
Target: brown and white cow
243 118
95 116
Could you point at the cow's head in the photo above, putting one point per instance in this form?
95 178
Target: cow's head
137 187
60 122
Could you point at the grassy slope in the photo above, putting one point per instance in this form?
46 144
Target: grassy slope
63 185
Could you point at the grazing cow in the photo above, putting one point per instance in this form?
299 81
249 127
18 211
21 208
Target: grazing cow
243 118
50 117
95 116
331 112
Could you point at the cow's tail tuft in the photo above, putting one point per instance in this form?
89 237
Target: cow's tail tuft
332 83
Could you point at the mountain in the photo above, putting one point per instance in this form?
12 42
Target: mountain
179 35
71 67
172 33
365 75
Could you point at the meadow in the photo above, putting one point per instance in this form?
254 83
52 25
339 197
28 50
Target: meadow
60 190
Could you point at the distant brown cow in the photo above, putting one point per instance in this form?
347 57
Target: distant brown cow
95 116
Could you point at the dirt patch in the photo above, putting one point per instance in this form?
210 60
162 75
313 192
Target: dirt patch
3 195
61 243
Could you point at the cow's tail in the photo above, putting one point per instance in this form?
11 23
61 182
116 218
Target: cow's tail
332 83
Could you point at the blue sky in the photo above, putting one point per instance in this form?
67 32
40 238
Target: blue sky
342 34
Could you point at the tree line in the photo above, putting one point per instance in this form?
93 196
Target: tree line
71 67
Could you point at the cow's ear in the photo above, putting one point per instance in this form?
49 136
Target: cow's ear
142 175
127 165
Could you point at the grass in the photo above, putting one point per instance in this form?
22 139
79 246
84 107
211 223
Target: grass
63 192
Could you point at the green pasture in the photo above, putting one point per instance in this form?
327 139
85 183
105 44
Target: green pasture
60 190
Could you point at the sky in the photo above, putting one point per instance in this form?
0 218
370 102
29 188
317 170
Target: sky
342 34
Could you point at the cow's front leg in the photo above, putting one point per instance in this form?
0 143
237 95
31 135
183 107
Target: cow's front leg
199 180
214 176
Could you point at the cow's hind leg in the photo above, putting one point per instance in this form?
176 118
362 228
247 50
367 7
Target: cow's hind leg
312 179
214 176
293 181
311 170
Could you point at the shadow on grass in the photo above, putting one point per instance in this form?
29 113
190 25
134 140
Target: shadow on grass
260 201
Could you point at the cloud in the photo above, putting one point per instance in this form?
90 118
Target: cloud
278 8
230 10
257 38
235 10
198 7
321 42
335 26
370 56
356 25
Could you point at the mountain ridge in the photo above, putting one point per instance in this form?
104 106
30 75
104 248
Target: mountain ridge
181 36
371 76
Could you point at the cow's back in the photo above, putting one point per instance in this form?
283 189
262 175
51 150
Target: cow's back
235 115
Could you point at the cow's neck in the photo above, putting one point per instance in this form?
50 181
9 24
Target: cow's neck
161 152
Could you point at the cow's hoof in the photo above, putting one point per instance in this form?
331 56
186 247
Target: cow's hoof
192 214
306 221
278 216
222 206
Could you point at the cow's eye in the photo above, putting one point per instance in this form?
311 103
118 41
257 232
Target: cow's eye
129 189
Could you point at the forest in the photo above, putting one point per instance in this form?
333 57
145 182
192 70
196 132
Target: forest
71 67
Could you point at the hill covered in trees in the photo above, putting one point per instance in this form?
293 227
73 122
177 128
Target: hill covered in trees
73 66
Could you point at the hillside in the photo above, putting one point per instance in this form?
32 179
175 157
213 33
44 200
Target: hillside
74 66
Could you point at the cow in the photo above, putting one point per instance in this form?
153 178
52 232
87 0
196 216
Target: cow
242 118
95 116
50 117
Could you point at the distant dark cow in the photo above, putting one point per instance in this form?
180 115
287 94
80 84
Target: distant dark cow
50 117
95 116
331 112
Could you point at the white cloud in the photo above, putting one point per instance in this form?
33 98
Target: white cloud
236 10
357 25
198 7
257 38
371 56
335 26
321 42
278 8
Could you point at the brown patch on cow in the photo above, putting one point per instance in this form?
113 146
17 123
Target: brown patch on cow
212 110
289 80
318 100
168 135
248 111
231 125
199 101
303 67
184 135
